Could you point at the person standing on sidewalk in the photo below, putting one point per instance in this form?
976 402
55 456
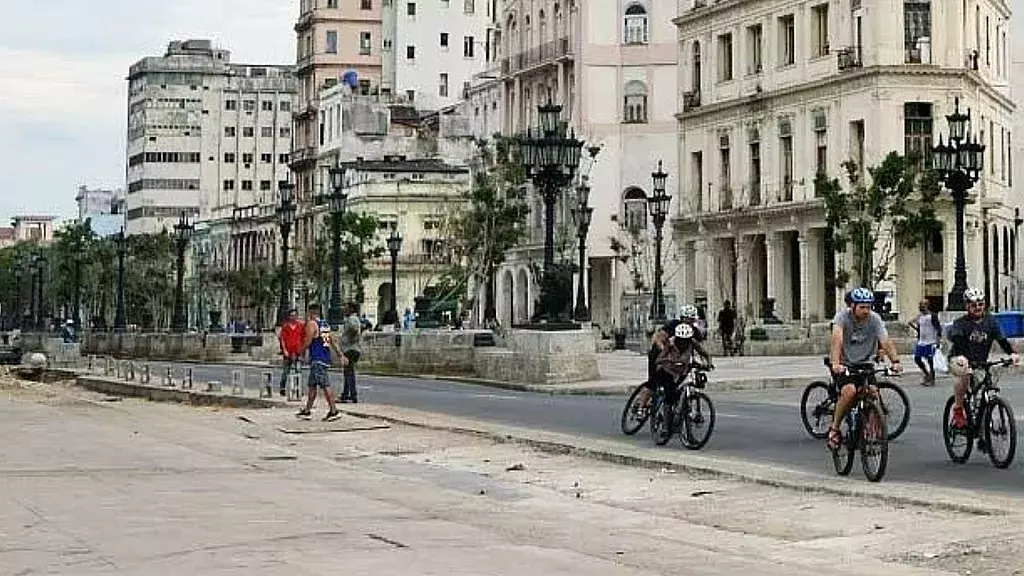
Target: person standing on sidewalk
351 334
726 326
290 341
929 331
319 343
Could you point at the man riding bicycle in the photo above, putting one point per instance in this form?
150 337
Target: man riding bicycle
688 315
972 335
857 337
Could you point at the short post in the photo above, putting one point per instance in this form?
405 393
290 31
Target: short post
108 366
130 372
169 377
237 382
146 377
294 387
92 364
267 390
186 380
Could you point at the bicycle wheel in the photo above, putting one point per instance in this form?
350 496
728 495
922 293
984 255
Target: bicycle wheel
634 416
698 421
816 408
959 441
874 441
1000 425
842 457
661 424
895 405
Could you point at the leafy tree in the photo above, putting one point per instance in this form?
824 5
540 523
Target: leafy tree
314 268
149 280
70 263
875 220
359 244
254 288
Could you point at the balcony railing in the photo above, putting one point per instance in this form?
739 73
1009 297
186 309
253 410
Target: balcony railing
536 56
691 100
850 57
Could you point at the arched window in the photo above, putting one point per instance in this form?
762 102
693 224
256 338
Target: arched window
634 109
559 32
635 209
695 79
542 28
634 30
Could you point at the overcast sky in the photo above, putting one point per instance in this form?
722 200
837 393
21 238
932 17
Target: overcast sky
62 87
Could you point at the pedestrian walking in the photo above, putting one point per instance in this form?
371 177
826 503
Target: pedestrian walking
726 327
289 339
320 344
929 332
351 350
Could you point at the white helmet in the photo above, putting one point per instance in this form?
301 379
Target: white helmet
688 312
684 331
973 295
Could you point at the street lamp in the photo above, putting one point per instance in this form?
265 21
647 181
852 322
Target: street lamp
959 164
550 155
337 201
40 265
658 204
285 218
394 247
122 249
19 313
582 214
182 234
76 306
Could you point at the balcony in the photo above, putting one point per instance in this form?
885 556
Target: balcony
850 58
303 156
537 56
691 100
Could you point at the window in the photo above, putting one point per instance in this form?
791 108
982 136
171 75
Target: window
365 41
695 80
467 46
634 30
247 158
248 105
410 8
787 41
917 129
266 158
988 42
267 106
786 160
229 131
442 89
229 157
857 138
231 104
725 57
468 7
285 106
444 39
755 41
819 30
229 184
246 184
364 87
917 31
410 95
634 103
697 168
264 185
267 132
724 173
410 52
755 167
285 132
820 142
366 5
248 131
282 158
635 209
332 41
332 3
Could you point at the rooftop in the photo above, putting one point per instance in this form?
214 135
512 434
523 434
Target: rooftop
17 219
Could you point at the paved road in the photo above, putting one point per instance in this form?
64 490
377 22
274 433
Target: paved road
763 426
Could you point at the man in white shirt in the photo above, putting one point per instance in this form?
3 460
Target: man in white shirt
929 330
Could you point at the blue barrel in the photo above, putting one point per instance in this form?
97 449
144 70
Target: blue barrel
1011 323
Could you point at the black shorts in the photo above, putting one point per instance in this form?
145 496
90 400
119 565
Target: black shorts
857 380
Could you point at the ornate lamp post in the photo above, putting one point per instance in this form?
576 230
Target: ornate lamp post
659 205
16 320
40 265
394 247
582 214
550 154
76 306
182 234
337 201
959 164
285 219
122 250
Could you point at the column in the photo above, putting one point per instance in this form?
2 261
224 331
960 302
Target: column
742 273
685 275
517 94
711 283
802 242
771 251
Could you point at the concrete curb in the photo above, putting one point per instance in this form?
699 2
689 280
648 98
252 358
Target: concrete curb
167 394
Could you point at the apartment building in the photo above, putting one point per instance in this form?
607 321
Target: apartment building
774 92
205 136
612 65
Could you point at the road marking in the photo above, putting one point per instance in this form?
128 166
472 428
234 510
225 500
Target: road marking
739 416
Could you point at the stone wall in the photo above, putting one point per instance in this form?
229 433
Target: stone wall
186 347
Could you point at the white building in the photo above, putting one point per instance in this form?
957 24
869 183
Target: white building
431 50
204 136
774 92
97 201
612 64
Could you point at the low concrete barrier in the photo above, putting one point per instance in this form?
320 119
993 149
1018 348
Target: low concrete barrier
116 387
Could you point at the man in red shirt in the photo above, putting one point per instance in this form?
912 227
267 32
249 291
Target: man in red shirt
290 340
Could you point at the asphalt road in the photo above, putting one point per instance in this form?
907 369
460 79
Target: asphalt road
762 426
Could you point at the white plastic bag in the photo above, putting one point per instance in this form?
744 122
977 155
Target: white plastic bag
939 361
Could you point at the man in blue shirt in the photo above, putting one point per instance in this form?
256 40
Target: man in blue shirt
319 343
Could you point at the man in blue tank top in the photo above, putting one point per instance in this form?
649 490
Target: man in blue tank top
319 343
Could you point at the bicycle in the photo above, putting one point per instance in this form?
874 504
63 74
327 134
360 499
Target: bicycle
692 409
982 399
864 428
818 418
635 414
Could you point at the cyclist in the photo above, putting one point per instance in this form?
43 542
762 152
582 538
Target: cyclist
856 338
688 315
677 358
972 335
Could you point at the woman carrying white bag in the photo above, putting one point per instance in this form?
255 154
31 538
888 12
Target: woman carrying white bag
927 355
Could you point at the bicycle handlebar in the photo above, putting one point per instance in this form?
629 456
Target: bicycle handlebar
992 364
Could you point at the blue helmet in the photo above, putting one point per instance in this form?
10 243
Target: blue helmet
862 296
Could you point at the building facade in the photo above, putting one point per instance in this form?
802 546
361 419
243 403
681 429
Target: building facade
612 65
97 201
775 92
35 229
205 136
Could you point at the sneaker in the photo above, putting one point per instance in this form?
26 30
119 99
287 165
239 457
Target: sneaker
353 400
304 413
959 418
332 416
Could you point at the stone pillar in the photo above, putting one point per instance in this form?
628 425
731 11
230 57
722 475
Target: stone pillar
772 255
711 269
742 272
517 93
804 256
